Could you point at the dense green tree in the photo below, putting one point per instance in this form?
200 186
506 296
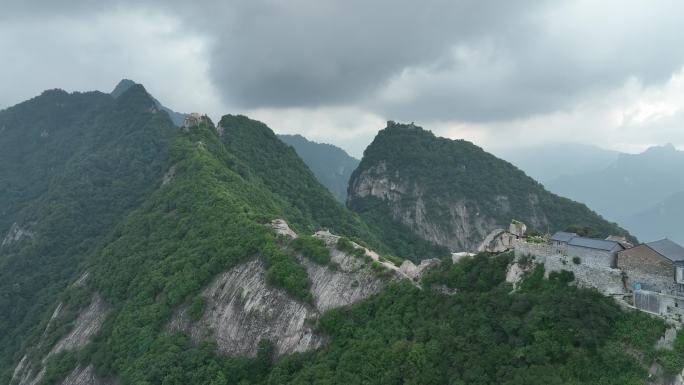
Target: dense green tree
71 166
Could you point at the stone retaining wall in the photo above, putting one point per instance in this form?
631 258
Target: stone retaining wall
606 280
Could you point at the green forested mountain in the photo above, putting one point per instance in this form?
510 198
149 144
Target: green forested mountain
148 217
453 193
331 164
546 333
71 166
125 84
279 168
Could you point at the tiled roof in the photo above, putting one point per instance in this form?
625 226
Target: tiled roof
562 236
599 244
668 249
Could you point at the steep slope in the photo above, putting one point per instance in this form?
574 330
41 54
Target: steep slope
71 166
196 273
629 185
125 84
331 164
207 223
452 193
550 161
545 333
662 220
280 169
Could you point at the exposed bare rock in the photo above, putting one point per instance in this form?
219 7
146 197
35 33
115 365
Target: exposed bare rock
85 376
667 340
87 324
241 309
455 257
190 120
497 241
517 228
657 372
22 373
82 280
15 234
169 175
55 314
417 272
282 228
517 271
352 282
331 241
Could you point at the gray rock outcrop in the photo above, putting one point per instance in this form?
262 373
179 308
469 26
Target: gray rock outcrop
241 308
280 227
497 241
407 203
352 281
15 234
85 375
86 325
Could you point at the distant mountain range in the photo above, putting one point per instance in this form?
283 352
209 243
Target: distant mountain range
550 161
640 191
661 220
331 164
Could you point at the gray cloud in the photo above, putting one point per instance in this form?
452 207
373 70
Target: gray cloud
446 60
468 60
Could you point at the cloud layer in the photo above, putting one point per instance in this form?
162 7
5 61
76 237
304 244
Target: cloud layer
468 68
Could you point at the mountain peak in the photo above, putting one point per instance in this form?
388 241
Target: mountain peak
665 148
122 87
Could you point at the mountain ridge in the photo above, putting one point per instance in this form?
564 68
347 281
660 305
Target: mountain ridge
453 193
331 164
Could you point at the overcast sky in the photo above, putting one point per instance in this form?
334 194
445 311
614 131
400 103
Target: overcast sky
498 73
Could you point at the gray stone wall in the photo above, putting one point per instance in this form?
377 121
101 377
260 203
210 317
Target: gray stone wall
641 264
593 257
606 280
539 251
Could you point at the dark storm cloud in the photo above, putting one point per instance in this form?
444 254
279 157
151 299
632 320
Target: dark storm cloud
466 60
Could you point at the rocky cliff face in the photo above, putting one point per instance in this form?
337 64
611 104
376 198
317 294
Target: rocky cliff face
351 282
463 228
87 324
453 193
85 375
241 308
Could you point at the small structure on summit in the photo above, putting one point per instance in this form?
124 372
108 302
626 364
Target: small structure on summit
517 228
192 119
